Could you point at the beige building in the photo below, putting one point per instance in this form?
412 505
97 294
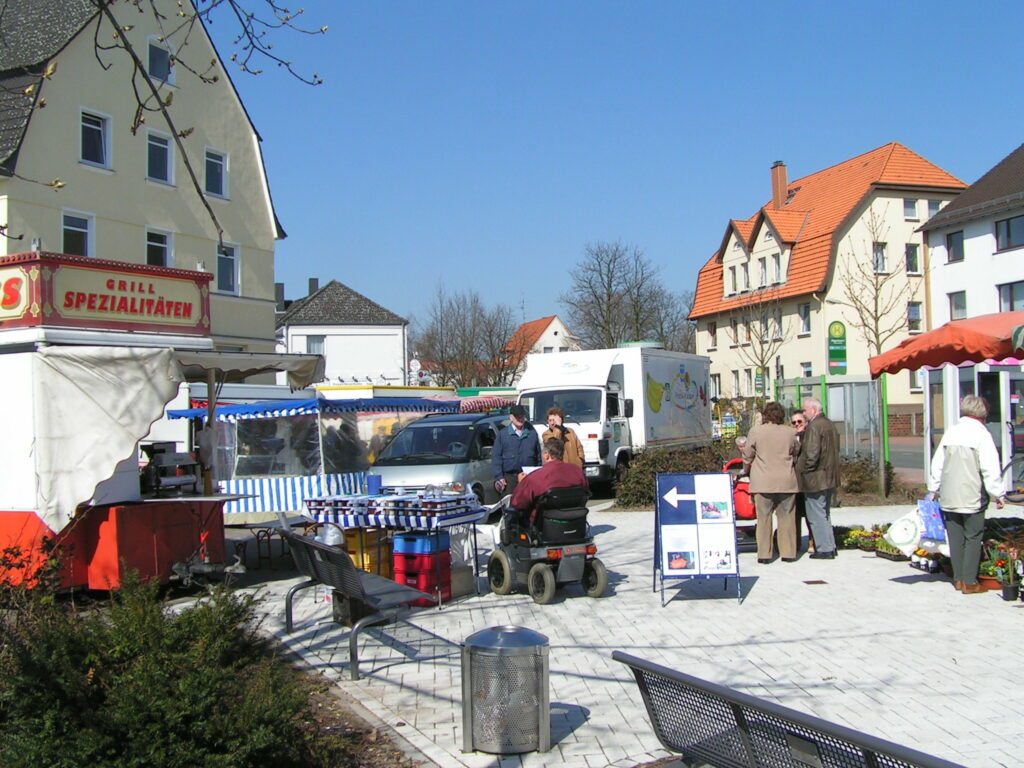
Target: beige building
836 252
128 196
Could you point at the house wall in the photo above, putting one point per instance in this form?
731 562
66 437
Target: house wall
979 274
124 203
366 353
555 339
881 218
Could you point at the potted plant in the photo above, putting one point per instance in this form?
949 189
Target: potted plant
1008 572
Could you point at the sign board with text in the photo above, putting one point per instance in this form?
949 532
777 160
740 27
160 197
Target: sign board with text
836 348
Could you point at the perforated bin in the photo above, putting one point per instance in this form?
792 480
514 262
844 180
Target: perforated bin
505 706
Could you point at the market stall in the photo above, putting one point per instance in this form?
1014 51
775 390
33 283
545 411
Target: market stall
91 351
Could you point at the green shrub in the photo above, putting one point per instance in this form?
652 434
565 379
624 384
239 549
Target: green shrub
137 684
859 474
637 487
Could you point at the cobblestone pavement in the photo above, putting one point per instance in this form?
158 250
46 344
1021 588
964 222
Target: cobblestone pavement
859 640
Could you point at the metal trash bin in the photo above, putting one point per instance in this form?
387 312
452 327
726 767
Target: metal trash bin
505 691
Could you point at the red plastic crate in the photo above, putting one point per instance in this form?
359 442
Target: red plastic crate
410 564
425 581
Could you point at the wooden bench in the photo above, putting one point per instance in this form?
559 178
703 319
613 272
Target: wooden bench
361 599
710 724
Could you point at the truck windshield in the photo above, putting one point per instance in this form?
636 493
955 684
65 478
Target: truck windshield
424 442
579 404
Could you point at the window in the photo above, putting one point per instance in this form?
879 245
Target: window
806 370
933 207
776 268
748 382
768 235
957 305
315 345
95 148
910 253
746 331
735 383
744 277
716 385
548 350
161 67
227 269
762 264
777 325
732 287
878 257
804 310
712 335
77 230
734 330
1010 233
909 209
916 380
914 316
158 160
955 247
158 249
216 173
1011 297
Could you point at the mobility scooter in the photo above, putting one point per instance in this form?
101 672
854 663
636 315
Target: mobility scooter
552 549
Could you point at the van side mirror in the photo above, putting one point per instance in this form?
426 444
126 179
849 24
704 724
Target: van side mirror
627 407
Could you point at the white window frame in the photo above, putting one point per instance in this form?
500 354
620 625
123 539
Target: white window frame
748 382
716 385
919 320
236 271
803 311
880 265
156 42
150 135
314 341
806 370
90 230
734 330
762 264
225 172
712 334
736 383
776 268
744 277
934 206
950 299
105 132
916 384
910 202
777 325
168 246
917 257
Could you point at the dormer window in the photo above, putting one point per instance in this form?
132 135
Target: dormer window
768 235
736 245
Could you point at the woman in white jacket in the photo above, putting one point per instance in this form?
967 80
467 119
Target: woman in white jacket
965 474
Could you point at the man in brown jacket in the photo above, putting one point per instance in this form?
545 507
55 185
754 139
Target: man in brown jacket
817 468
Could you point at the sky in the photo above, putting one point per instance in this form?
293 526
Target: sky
482 145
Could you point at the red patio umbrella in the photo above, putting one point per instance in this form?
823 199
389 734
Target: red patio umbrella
972 340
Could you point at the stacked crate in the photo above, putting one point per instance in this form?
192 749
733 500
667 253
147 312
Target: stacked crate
424 561
369 549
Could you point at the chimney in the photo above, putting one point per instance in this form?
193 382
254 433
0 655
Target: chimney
780 186
314 284
279 296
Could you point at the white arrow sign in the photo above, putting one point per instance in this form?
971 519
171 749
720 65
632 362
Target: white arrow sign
673 497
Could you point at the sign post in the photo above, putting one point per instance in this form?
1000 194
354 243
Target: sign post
694 529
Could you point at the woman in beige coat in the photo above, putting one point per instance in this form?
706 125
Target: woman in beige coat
770 451
556 429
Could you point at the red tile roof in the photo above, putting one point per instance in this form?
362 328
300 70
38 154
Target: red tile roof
525 336
817 206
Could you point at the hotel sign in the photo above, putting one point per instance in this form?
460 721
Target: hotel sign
70 291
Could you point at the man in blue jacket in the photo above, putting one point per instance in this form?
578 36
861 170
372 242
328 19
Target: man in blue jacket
516 446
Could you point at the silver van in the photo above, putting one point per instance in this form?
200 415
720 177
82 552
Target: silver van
443 449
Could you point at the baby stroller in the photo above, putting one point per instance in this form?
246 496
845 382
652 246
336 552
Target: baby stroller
742 503
553 549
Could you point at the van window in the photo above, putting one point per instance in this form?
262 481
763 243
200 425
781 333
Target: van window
429 441
578 404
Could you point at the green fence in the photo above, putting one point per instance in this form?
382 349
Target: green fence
853 403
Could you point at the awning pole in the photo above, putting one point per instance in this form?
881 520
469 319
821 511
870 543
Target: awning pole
211 424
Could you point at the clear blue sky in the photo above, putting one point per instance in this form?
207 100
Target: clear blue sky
482 145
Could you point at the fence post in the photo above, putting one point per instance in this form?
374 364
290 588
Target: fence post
883 453
823 394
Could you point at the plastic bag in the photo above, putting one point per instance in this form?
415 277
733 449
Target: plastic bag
921 528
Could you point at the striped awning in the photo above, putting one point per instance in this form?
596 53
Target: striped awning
280 408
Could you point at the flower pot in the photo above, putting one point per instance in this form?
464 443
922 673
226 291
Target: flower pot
989 582
1011 591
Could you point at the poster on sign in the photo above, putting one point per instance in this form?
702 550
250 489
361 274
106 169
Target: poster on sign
695 533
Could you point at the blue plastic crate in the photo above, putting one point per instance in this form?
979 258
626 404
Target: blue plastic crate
421 543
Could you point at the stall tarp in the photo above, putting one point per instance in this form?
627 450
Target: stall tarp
302 370
277 408
92 405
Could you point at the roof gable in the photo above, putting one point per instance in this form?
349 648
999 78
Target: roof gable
337 304
1000 189
528 334
815 210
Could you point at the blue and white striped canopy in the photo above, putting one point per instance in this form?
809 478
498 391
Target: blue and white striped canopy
278 408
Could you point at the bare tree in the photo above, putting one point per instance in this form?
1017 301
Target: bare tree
616 295
112 21
875 292
760 329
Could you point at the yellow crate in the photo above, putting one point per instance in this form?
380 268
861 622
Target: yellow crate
369 548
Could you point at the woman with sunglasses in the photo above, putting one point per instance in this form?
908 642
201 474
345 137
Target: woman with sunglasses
799 422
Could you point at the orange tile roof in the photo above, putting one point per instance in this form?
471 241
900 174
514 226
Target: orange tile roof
525 336
816 208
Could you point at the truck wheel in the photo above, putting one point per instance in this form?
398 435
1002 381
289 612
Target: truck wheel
541 583
499 573
595 578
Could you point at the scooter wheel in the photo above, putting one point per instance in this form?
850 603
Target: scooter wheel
541 583
499 573
595 578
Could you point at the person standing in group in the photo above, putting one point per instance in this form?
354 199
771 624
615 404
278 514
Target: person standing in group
515 447
770 450
965 474
799 422
817 469
556 428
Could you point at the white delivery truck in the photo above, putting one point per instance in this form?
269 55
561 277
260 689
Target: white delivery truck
619 401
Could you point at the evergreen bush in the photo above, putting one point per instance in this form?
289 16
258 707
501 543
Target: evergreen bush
637 487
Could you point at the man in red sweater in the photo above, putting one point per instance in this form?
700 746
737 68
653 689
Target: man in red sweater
554 473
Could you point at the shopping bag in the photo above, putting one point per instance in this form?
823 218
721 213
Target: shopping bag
932 525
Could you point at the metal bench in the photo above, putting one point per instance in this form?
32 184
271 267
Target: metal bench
368 598
710 724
